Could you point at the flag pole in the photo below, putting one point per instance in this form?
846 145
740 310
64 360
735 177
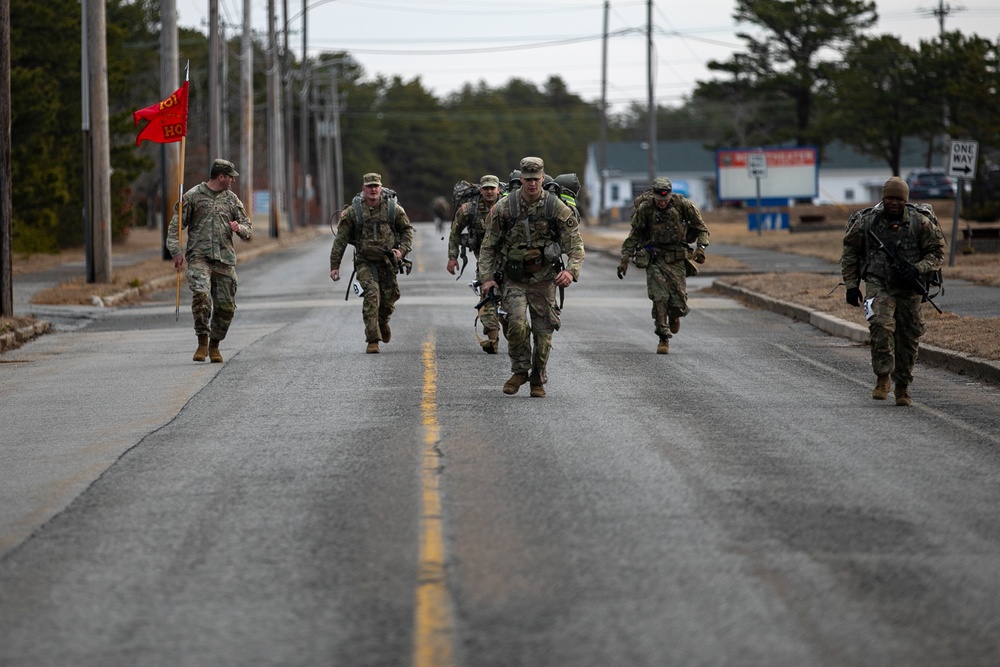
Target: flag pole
180 230
180 204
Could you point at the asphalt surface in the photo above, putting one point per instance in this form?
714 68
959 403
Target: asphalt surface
741 500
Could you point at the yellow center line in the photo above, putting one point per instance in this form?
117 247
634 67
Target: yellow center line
433 641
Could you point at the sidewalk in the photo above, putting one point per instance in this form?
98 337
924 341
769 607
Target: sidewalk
961 297
67 318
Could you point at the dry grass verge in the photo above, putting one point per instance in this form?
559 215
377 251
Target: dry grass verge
975 336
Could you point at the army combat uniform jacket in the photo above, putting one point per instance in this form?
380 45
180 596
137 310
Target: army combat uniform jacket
665 233
471 217
206 218
376 235
917 240
526 248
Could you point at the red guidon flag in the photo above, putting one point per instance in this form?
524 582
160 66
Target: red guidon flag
167 119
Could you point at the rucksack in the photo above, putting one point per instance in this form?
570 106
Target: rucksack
463 192
387 194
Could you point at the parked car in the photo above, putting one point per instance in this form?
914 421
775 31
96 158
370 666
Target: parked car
931 184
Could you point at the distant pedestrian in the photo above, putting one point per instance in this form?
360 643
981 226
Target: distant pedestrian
381 233
527 233
212 215
891 301
663 226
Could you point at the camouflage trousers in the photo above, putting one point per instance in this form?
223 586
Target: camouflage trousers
213 298
530 340
488 318
666 285
895 325
378 279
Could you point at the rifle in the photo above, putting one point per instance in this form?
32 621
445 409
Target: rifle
463 253
899 265
403 267
347 294
560 266
491 297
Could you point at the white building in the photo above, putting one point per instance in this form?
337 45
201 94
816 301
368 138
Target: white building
845 177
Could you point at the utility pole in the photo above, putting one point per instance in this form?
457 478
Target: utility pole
338 157
100 224
602 159
273 101
651 105
6 253
246 111
214 136
304 121
286 118
324 180
169 82
941 12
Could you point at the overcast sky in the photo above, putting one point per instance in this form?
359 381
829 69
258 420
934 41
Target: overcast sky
448 43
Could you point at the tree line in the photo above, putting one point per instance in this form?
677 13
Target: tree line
809 74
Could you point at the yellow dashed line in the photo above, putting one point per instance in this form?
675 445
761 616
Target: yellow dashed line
433 641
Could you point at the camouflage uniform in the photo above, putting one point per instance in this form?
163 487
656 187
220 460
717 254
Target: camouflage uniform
534 291
895 321
211 258
376 272
665 234
471 217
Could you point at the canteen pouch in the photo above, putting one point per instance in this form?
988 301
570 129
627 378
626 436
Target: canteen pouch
641 258
523 261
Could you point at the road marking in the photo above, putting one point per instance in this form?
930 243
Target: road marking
943 416
433 643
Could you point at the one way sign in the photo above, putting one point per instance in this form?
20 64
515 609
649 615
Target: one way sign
963 159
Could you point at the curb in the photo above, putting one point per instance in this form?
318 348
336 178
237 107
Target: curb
956 362
15 339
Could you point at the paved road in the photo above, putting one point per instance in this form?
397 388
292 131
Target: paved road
739 501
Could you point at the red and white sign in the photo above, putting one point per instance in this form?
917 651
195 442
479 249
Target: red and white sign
791 173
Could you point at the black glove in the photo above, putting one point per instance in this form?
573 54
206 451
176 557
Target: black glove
622 268
909 274
699 255
854 297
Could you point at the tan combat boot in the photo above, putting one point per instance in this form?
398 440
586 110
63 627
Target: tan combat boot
514 383
881 390
372 347
903 394
537 391
202 352
213 351
664 346
675 324
383 328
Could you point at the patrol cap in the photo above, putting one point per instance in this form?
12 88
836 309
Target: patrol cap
221 166
532 167
662 187
371 178
896 187
489 181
